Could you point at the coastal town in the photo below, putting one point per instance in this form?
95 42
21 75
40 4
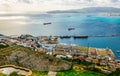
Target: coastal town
59 37
102 58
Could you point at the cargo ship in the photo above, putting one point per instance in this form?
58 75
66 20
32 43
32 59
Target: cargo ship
47 23
69 29
80 36
65 37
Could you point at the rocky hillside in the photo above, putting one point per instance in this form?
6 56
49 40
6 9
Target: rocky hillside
25 57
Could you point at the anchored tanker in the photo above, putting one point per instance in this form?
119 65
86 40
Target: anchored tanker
69 29
47 23
80 36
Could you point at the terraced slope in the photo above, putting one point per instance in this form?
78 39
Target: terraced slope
27 58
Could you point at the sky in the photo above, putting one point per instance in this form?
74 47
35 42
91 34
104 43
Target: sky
48 5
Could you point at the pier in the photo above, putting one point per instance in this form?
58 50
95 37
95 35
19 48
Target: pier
105 35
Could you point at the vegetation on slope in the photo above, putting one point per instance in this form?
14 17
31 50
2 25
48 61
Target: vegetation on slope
3 45
38 73
27 58
115 73
79 73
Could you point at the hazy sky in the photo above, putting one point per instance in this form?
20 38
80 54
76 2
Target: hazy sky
46 5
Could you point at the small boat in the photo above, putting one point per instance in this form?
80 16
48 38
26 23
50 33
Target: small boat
68 16
80 36
47 23
89 15
118 51
69 29
65 37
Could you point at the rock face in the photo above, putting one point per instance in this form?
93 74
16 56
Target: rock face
37 61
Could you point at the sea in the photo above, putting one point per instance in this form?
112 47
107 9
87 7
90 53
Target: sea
83 24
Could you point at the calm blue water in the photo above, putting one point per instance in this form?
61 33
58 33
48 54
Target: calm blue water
83 24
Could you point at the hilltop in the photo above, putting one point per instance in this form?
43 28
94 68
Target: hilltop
89 10
27 58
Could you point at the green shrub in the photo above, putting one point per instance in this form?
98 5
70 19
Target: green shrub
2 74
14 74
115 73
39 73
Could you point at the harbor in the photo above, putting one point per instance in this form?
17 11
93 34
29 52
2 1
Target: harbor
51 46
101 34
60 38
